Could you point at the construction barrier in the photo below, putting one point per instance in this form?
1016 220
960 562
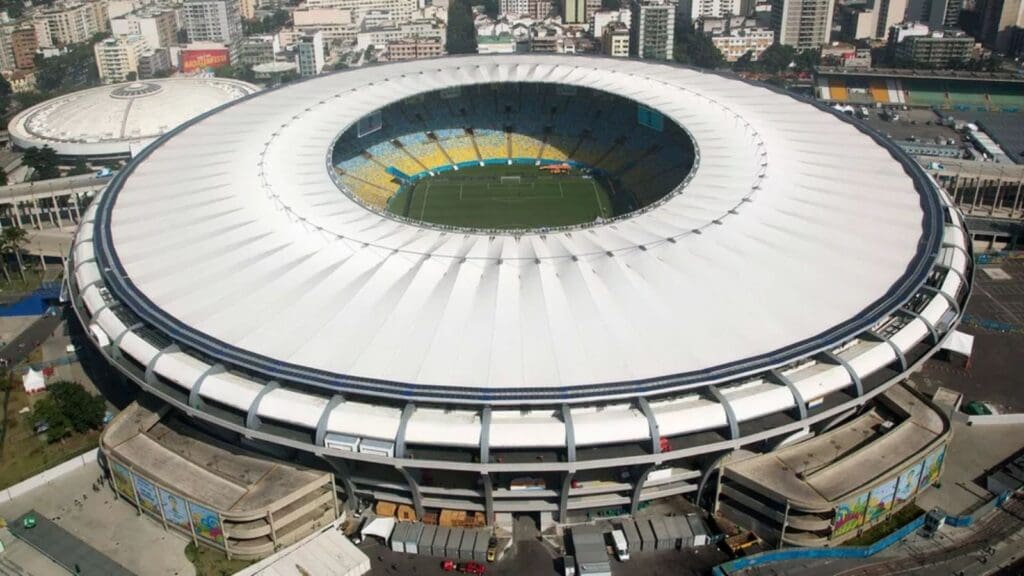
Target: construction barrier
788 554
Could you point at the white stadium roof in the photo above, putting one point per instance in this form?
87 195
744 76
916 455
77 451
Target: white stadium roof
112 120
797 231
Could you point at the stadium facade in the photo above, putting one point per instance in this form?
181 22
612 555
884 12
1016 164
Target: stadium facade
789 282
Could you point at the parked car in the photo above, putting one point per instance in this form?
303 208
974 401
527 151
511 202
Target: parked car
472 568
448 565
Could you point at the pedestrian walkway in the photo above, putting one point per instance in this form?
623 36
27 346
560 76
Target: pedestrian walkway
64 548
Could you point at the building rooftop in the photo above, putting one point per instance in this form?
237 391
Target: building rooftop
110 120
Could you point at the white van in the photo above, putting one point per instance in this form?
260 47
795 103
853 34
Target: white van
621 548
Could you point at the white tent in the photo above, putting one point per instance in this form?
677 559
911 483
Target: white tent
33 381
959 343
380 527
324 553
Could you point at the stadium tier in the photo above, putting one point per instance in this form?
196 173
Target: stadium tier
944 94
751 293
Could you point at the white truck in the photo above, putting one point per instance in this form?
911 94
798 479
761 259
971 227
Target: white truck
621 548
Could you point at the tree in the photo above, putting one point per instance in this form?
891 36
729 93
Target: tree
745 62
43 161
79 168
11 242
83 411
806 60
5 95
776 58
69 71
58 425
694 48
460 36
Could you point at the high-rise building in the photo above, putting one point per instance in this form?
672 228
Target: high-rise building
117 59
415 48
933 48
802 24
652 31
257 50
247 8
154 62
514 6
605 17
23 47
213 21
999 19
937 14
158 26
398 10
891 12
69 23
715 9
592 7
615 40
309 54
574 11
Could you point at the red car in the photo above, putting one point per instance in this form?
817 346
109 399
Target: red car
448 565
472 568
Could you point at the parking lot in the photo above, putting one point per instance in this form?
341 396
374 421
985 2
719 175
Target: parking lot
995 316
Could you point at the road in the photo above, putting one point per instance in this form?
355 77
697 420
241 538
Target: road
19 348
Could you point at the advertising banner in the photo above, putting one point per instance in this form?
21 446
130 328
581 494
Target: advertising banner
199 60
850 515
881 500
175 509
148 497
932 467
123 480
906 484
206 523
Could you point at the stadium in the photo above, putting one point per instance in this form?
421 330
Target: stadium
520 285
112 122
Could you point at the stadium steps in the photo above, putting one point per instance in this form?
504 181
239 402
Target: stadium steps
636 161
444 152
414 159
543 147
508 145
476 147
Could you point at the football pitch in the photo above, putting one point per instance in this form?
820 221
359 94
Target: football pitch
484 197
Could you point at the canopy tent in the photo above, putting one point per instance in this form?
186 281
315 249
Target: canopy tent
960 343
33 381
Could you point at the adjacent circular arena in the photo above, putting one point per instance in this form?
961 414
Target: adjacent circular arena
791 266
112 121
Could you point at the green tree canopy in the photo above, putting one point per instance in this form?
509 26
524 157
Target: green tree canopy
776 58
696 49
67 408
43 161
460 36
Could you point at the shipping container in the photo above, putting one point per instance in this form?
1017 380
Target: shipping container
441 541
451 548
700 530
646 536
483 541
632 536
412 538
426 543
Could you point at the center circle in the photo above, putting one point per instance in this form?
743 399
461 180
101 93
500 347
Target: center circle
513 156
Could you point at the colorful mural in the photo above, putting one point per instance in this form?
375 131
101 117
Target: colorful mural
850 515
148 497
175 510
123 480
881 500
906 486
932 467
206 523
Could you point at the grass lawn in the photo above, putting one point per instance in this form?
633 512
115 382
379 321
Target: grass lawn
477 198
210 562
33 278
24 454
886 527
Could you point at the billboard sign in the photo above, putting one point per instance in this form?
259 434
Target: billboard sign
850 515
123 480
880 501
204 59
906 484
148 497
932 467
175 509
206 523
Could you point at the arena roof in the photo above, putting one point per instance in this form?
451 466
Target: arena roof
116 119
798 230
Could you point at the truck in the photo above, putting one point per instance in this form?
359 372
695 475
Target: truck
621 548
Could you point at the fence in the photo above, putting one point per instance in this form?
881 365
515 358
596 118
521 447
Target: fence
8 494
852 551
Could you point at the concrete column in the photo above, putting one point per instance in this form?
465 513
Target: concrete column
488 497
37 214
56 211
342 473
634 502
563 496
1016 197
75 206
17 214
414 490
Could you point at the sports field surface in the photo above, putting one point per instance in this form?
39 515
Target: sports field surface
479 197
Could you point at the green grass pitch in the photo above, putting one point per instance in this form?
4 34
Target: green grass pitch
477 198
